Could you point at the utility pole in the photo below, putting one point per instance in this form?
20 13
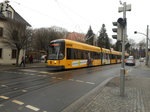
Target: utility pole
147 39
124 36
146 63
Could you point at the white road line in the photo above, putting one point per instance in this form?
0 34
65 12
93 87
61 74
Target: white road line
79 81
15 88
32 107
24 90
1 105
50 73
4 86
4 97
44 72
71 79
28 70
31 74
90 82
17 102
26 73
53 77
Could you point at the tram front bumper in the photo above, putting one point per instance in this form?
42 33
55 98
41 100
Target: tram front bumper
55 67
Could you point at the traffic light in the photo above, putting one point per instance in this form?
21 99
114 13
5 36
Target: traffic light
120 24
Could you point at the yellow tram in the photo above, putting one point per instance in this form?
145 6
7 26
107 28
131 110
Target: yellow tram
67 54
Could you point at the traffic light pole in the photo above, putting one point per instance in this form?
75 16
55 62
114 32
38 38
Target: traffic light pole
122 70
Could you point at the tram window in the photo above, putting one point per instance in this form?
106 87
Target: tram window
104 55
96 55
69 54
82 54
112 56
56 51
85 55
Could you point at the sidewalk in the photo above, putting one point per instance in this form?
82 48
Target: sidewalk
108 99
33 65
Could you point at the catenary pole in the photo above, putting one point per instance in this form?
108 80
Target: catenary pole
146 62
122 71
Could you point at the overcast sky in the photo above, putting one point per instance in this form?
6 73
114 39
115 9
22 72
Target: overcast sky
78 15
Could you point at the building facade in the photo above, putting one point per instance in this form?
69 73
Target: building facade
7 53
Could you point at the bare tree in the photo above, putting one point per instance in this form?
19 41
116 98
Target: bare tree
16 36
142 46
43 36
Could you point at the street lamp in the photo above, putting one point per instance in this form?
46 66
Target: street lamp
146 50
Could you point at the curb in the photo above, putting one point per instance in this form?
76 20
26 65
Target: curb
86 98
26 67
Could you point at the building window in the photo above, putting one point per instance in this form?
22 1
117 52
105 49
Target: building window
0 52
14 53
9 14
1 31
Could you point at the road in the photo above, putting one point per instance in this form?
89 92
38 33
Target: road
42 90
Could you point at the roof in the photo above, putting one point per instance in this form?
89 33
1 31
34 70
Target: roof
76 44
75 36
18 18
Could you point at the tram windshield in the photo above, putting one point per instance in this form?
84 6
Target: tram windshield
56 51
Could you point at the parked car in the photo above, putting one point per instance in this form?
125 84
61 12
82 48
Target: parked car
141 60
43 57
130 61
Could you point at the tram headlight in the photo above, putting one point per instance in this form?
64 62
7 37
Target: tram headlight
55 62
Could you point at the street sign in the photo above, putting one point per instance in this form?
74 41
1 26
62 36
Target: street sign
128 8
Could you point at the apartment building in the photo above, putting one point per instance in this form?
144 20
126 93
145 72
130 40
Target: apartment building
7 53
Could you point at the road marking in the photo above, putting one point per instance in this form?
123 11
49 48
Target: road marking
4 97
44 75
44 72
26 73
53 77
60 78
31 74
24 90
17 102
28 70
32 107
1 105
4 86
71 79
79 81
50 73
90 82
40 75
15 88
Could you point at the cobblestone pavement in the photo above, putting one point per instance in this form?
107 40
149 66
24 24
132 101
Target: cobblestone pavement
136 99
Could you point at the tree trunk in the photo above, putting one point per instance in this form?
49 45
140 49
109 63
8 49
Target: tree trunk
17 58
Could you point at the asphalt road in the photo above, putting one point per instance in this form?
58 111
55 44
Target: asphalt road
42 90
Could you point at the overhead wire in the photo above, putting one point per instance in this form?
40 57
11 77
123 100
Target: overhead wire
61 6
39 12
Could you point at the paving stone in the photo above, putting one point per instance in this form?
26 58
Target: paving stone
136 99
